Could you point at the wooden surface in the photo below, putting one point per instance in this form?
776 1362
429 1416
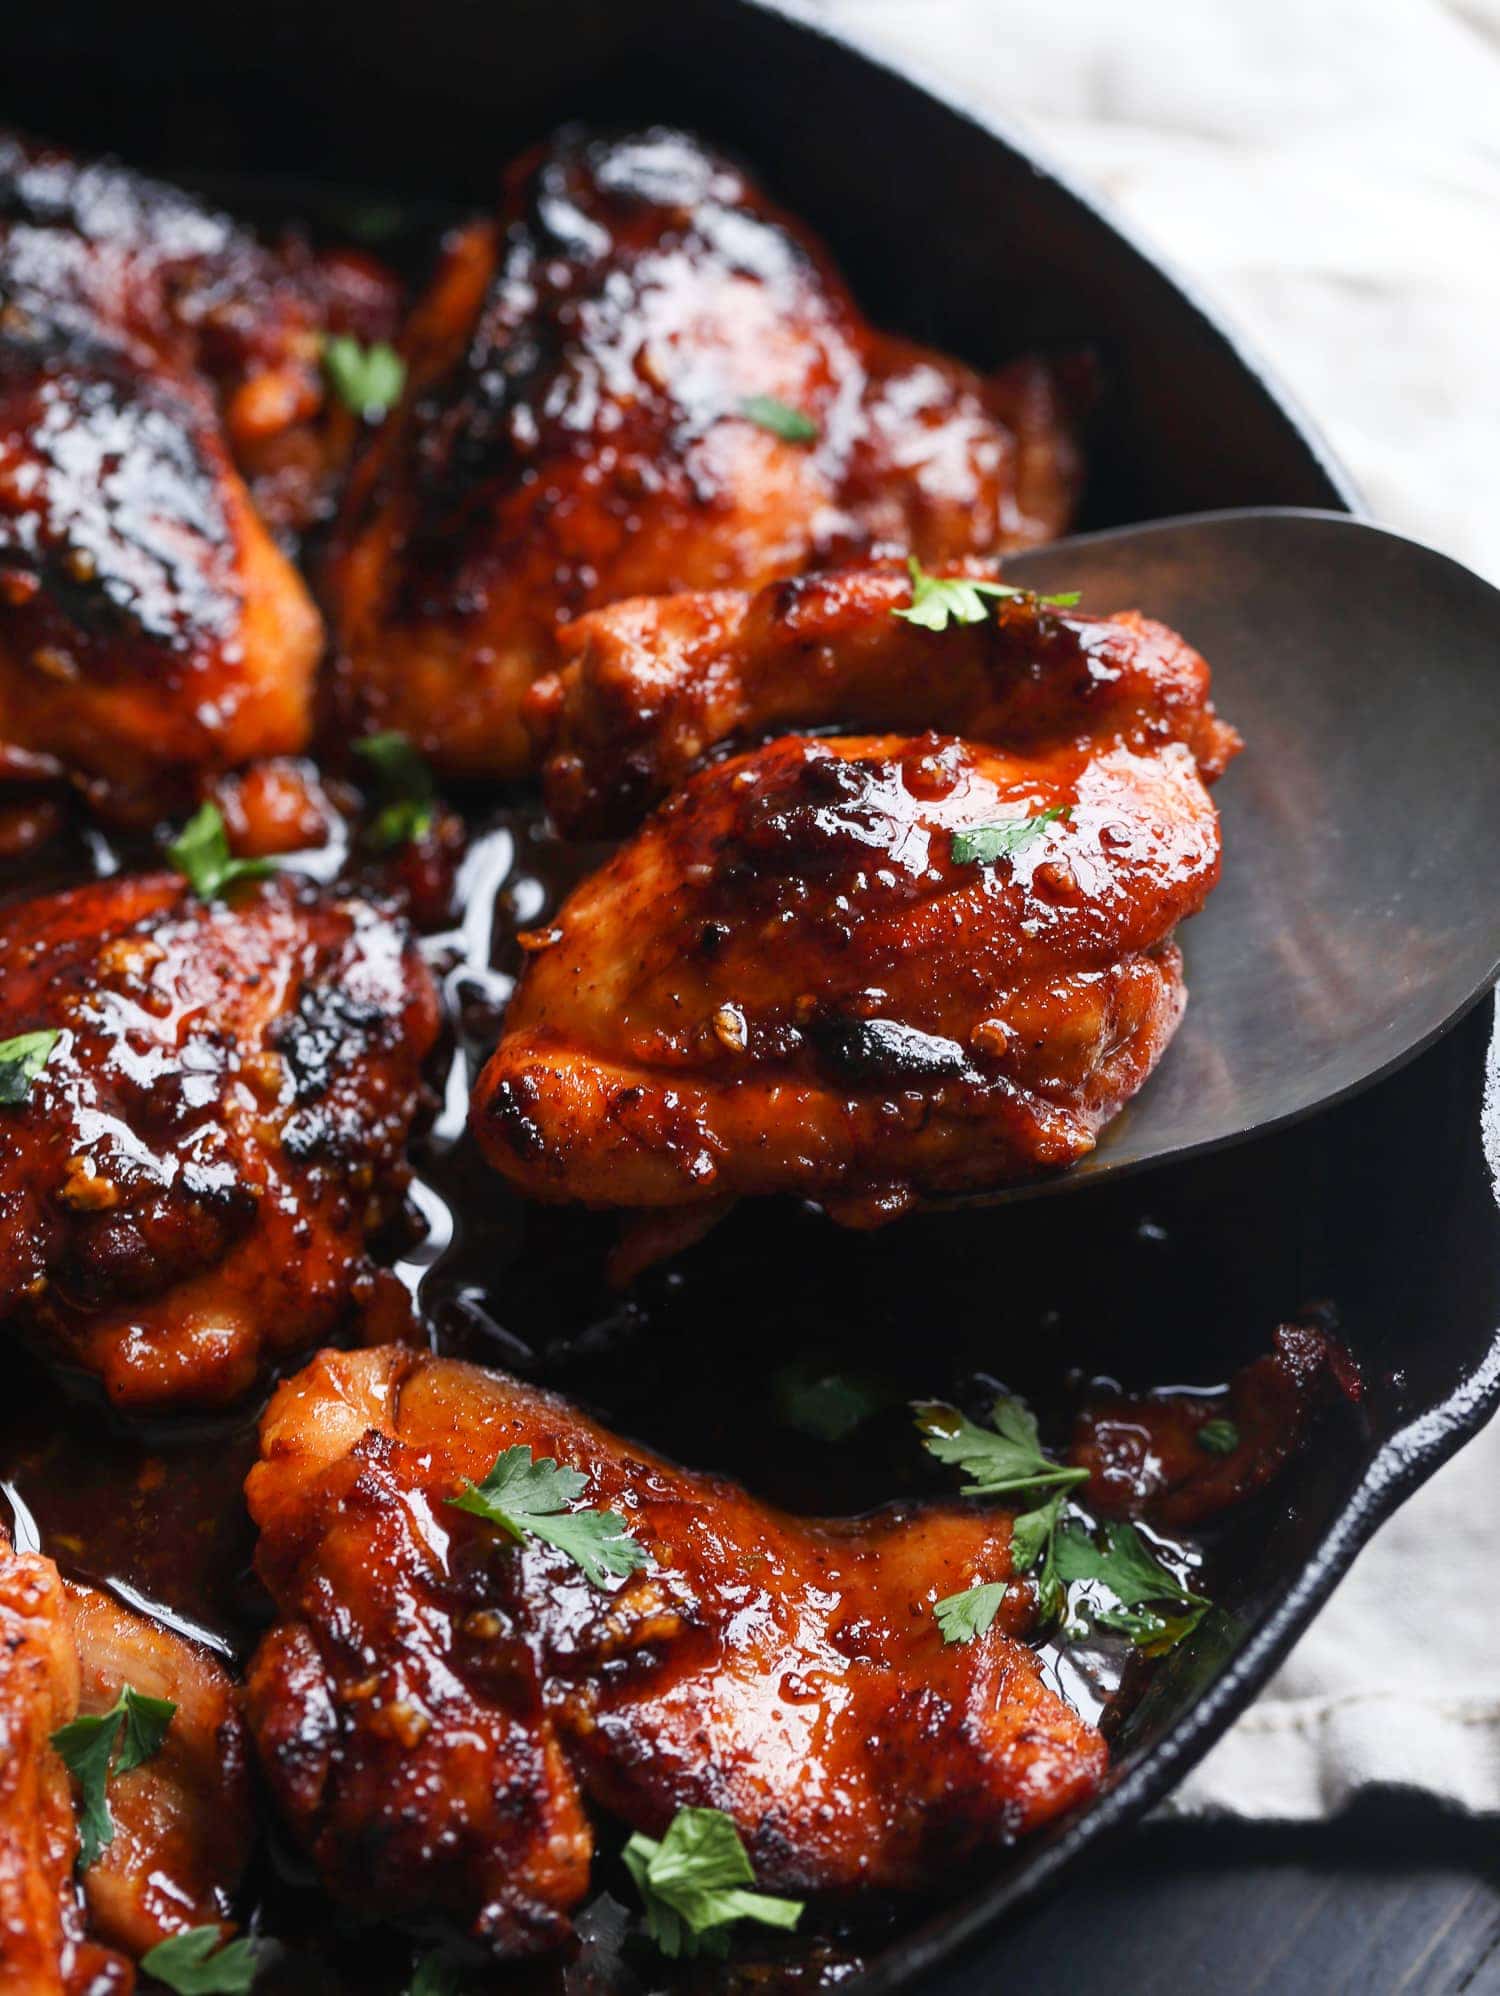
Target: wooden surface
1393 1897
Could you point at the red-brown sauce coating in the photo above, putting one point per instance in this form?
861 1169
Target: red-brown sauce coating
1146 1454
187 1189
649 687
222 405
575 432
433 1704
163 420
787 981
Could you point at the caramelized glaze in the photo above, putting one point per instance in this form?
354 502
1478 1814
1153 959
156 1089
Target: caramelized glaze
575 432
154 357
649 687
434 1698
787 982
152 1509
187 1189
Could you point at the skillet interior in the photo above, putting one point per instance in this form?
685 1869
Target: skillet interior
949 232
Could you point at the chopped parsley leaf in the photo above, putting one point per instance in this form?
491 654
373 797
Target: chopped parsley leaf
697 1881
1004 1459
962 1617
982 845
403 780
369 379
530 1499
200 852
1121 1561
437 1973
938 600
1219 1437
194 1964
22 1060
136 1725
780 418
1007 1456
821 1401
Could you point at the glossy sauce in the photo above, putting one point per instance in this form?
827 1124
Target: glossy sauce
691 1361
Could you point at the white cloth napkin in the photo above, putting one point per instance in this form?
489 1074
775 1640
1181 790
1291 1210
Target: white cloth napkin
1331 174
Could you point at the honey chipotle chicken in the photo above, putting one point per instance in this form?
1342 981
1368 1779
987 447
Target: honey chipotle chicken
153 359
181 1821
187 1184
648 687
437 1702
856 969
1145 1455
644 378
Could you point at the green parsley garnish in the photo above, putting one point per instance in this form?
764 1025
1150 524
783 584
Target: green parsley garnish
377 221
1005 1458
780 418
369 379
697 1881
1219 1437
1033 1548
821 1401
194 1964
404 782
1126 1566
529 1499
136 1725
436 1974
22 1060
1150 1604
962 1617
982 845
200 852
937 600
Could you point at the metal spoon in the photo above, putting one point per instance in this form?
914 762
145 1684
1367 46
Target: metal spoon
1359 912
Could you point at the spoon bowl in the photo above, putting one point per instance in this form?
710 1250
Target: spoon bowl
1359 912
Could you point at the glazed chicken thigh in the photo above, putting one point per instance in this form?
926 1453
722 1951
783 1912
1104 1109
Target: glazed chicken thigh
436 1700
809 973
181 1821
43 1948
153 358
644 378
648 687
187 1184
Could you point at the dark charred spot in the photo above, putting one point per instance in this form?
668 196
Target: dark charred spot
507 1112
122 519
884 1050
330 1031
788 595
815 817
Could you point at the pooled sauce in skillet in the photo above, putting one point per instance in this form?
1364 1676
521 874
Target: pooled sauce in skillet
696 1360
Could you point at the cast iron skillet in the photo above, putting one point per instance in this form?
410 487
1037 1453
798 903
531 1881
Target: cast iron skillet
949 230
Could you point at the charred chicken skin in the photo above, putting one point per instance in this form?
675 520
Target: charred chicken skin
796 978
648 687
153 359
181 1820
437 1701
187 1186
643 378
